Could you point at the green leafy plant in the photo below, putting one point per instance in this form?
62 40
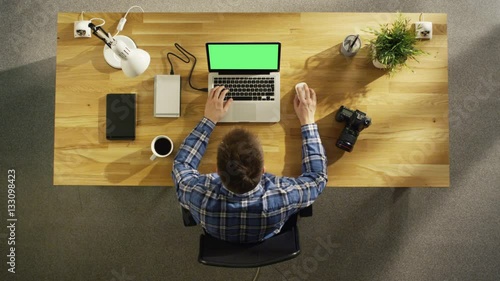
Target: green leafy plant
394 44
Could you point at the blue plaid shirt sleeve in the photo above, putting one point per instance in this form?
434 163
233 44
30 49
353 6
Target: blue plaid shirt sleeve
303 190
185 168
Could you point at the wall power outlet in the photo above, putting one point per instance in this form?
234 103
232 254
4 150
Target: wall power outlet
82 29
423 30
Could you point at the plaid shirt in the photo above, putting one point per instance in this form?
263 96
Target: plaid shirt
257 214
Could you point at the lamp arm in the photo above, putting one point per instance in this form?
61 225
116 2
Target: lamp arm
102 34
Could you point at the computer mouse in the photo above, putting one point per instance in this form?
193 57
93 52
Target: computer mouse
299 86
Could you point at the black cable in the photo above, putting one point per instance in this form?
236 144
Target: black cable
188 60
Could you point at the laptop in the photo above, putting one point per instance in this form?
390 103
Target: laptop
250 70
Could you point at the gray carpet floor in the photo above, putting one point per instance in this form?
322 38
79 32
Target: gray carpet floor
102 233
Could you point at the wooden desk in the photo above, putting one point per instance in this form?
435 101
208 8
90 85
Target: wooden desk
406 145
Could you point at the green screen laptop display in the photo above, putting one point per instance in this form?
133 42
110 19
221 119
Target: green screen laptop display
243 56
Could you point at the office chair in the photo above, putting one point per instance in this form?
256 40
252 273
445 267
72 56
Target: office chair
281 247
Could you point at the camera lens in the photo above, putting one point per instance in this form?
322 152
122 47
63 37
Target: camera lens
347 140
344 145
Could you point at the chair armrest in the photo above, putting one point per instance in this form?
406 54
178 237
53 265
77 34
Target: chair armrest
306 212
187 218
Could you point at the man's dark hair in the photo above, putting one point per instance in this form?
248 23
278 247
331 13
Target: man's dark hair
240 161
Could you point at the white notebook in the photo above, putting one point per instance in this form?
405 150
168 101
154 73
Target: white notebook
167 102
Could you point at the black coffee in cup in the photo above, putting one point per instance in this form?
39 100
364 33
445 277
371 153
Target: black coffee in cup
162 146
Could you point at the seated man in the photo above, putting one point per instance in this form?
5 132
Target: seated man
241 202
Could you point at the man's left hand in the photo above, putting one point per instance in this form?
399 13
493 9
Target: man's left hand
216 108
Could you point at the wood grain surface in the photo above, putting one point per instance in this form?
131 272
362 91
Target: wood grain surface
406 145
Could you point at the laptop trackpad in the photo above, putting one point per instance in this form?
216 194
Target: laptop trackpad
244 111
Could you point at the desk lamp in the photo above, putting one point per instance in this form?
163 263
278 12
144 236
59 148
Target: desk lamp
121 52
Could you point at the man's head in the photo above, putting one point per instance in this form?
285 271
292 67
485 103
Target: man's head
240 161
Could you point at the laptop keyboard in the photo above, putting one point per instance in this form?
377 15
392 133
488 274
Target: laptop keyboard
247 88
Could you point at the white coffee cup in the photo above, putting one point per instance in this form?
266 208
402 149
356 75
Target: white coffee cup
161 146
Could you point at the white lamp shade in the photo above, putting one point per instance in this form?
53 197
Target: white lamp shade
136 63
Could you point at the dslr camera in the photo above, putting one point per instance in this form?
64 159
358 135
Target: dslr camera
355 122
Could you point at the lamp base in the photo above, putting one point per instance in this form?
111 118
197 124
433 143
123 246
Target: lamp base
109 55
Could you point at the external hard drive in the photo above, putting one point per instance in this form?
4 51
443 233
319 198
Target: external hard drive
167 96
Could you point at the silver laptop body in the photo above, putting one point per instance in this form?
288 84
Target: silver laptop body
250 71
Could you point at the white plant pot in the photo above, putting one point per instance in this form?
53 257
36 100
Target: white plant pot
378 64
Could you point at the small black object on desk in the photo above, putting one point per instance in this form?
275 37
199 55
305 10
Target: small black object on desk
355 121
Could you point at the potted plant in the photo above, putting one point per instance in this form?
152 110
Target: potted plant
393 45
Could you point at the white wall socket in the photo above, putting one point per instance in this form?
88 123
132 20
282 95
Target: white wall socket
82 29
423 30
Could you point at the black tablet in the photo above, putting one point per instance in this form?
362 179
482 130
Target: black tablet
120 116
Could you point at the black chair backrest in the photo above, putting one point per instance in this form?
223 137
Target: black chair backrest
281 247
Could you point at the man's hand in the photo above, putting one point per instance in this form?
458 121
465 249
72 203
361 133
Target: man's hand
215 108
305 104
